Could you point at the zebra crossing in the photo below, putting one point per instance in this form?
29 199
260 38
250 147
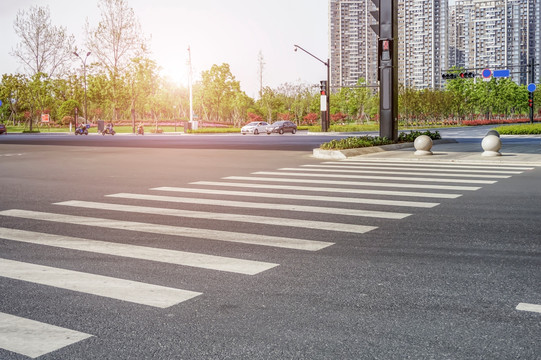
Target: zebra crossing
348 189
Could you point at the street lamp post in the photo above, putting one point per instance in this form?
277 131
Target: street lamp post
84 74
325 122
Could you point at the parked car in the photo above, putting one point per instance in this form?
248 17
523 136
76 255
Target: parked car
282 127
3 129
254 127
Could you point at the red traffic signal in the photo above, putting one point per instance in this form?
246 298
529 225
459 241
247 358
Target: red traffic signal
467 75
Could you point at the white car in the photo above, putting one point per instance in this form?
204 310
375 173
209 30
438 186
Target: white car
254 127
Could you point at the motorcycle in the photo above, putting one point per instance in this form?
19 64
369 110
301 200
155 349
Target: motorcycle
82 129
140 130
108 130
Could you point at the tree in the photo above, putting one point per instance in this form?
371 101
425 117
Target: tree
14 91
44 48
142 80
39 89
217 91
115 41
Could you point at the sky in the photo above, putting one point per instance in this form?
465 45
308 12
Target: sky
217 31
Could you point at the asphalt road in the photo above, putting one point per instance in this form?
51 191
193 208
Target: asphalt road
437 275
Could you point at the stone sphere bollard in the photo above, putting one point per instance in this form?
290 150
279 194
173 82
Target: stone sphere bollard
491 144
493 132
423 144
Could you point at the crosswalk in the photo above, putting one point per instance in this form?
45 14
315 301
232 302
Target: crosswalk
358 193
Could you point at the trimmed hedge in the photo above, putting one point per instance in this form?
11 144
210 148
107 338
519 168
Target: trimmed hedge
526 129
367 141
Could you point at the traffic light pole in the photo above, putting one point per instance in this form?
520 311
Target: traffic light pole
387 30
325 115
531 80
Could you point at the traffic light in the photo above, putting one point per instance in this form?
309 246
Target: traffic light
323 87
530 99
466 75
448 76
375 14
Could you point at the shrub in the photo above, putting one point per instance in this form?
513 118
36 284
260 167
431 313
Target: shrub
366 141
526 129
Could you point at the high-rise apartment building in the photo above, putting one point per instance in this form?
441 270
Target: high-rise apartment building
352 43
423 42
434 36
497 34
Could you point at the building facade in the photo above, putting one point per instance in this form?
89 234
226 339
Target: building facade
498 34
423 42
352 43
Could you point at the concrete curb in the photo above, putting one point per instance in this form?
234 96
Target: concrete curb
344 154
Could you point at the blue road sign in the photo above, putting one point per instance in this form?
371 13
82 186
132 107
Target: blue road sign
486 73
0 102
501 73
532 87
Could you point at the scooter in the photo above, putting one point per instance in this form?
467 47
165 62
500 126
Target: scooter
108 130
140 130
82 129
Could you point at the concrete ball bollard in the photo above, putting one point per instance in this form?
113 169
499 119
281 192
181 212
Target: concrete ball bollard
423 144
493 132
491 145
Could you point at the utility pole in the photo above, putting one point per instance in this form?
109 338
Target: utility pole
190 75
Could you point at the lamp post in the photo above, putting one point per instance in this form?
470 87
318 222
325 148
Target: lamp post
325 121
84 74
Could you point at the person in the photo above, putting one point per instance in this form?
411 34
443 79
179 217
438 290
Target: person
109 127
140 129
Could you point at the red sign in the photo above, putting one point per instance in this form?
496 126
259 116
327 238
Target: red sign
45 118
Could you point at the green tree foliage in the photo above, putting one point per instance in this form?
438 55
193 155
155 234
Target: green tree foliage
14 95
216 92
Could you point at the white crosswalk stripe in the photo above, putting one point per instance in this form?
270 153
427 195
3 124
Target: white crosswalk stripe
33 338
440 168
416 173
319 225
436 164
354 183
392 178
299 197
267 206
184 258
217 235
325 189
125 290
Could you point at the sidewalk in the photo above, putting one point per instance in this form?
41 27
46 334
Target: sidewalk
516 150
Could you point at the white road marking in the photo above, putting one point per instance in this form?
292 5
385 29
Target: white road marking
462 164
329 189
415 173
529 307
253 239
400 167
33 338
319 225
355 183
183 258
300 197
125 290
269 206
395 178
